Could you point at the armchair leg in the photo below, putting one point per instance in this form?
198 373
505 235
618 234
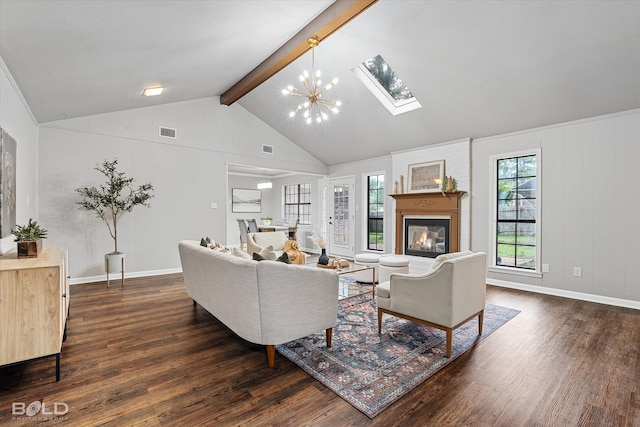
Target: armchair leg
329 333
480 321
271 355
449 341
379 321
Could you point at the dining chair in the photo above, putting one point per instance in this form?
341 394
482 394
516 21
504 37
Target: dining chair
253 226
243 232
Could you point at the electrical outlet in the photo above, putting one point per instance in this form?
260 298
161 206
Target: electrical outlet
577 272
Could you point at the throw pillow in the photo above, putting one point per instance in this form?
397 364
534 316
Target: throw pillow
240 253
284 258
268 253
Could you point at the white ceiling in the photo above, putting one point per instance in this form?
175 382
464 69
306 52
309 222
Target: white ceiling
479 68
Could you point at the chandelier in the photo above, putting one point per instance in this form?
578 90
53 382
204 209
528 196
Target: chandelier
265 183
314 107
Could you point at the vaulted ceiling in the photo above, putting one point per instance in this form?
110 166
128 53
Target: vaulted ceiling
478 68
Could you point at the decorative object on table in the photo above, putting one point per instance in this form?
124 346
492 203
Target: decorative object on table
266 220
425 177
7 186
384 369
449 185
245 200
338 263
29 238
317 238
110 202
314 105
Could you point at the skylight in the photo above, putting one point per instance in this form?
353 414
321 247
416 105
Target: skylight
386 86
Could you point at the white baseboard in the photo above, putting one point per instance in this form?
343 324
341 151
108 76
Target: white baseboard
566 294
116 277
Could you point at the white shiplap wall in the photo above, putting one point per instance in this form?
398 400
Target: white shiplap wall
590 207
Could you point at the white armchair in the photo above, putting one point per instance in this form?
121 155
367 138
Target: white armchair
451 294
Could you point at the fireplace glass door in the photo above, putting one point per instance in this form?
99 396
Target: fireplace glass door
426 237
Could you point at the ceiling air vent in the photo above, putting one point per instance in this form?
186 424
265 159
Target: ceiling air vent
167 132
268 149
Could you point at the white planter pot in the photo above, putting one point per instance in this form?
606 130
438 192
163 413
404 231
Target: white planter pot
114 263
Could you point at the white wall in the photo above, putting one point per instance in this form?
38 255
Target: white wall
188 173
360 170
588 181
17 120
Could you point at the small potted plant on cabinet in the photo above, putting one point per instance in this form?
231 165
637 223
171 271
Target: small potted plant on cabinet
110 202
266 220
29 239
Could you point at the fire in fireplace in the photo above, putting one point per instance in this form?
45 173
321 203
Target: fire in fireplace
426 237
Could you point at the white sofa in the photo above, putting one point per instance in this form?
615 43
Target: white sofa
266 302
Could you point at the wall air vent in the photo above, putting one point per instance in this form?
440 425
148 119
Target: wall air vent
268 149
167 132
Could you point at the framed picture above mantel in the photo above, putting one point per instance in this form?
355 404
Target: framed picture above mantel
425 177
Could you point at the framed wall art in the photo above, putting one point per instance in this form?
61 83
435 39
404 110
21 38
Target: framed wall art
425 177
7 183
246 200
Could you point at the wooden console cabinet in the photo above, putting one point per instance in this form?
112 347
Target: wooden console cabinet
34 304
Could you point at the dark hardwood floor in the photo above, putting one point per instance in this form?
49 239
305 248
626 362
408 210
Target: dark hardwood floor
144 355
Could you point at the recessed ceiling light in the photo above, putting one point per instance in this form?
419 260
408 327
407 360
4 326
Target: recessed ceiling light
153 91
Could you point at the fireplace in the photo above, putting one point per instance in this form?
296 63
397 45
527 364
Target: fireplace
427 237
437 229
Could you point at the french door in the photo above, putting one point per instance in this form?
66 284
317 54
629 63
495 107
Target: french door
338 215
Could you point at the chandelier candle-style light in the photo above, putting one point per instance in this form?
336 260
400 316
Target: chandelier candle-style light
314 107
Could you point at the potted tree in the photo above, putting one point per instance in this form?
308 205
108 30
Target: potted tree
29 239
110 201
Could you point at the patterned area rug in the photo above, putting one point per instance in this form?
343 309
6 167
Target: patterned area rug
371 372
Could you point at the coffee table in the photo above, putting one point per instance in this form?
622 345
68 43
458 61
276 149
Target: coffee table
354 289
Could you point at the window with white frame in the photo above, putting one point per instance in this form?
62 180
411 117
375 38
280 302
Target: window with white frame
386 86
517 210
375 212
297 202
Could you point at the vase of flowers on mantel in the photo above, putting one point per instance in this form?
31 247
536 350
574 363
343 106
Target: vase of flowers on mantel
449 185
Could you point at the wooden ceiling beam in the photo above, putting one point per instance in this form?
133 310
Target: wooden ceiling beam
325 24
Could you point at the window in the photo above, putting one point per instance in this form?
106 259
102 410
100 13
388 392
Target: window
375 212
386 86
297 202
517 211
